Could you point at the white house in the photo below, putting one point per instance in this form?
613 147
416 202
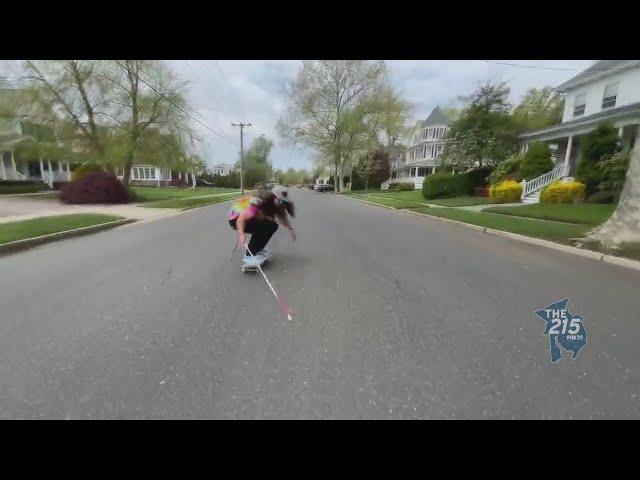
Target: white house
12 167
326 176
426 145
222 169
608 91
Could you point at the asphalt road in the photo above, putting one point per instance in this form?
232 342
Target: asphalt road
395 317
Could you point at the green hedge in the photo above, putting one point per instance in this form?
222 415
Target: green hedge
536 161
14 187
443 185
83 170
401 186
603 197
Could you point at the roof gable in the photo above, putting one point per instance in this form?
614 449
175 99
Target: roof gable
600 69
436 117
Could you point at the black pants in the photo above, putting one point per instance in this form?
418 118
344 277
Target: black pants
261 232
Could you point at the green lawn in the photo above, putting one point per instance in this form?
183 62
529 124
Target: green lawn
152 194
187 203
533 228
44 196
389 202
416 196
36 227
585 214
409 196
14 188
462 201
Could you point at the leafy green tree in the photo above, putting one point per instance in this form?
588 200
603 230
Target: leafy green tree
373 167
536 161
149 96
614 172
539 108
257 168
600 143
485 132
79 93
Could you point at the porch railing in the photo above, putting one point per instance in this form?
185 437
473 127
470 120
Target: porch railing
15 175
532 186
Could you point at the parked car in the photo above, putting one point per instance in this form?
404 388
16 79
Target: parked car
325 187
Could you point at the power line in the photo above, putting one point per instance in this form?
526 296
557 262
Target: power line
537 67
174 105
230 86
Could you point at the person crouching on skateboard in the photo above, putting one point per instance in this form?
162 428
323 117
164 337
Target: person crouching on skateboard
256 215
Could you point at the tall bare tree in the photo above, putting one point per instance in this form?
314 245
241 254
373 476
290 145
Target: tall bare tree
149 97
76 92
319 97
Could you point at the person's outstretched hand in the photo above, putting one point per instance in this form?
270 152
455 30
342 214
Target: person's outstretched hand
293 235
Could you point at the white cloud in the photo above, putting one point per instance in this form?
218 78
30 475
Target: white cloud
251 91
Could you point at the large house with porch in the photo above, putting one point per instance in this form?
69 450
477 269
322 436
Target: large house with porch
426 145
15 134
15 168
222 169
608 91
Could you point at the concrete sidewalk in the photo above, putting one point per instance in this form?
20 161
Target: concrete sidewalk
126 211
24 207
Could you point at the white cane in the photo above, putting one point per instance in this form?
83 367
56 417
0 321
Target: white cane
268 282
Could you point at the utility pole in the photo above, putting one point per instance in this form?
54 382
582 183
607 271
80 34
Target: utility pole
241 125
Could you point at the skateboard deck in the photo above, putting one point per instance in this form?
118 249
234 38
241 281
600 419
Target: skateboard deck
253 268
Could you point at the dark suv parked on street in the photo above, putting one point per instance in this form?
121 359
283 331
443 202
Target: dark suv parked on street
325 187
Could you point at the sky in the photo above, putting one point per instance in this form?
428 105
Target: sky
226 91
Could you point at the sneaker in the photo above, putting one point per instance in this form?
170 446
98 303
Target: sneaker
265 252
250 261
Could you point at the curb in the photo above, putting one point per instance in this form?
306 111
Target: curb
581 252
447 220
26 243
366 201
185 209
190 209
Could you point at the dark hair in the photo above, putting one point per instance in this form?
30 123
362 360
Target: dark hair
268 205
289 207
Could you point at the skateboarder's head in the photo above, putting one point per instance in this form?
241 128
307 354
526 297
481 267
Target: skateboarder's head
267 203
283 203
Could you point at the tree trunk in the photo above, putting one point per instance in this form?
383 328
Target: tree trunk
336 163
624 224
126 177
342 177
366 185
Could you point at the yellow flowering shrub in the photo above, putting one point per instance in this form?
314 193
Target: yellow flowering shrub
505 192
562 192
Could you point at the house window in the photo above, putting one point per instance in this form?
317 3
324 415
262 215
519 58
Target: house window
422 172
579 104
610 95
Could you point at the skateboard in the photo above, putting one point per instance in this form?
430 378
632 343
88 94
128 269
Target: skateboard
254 268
